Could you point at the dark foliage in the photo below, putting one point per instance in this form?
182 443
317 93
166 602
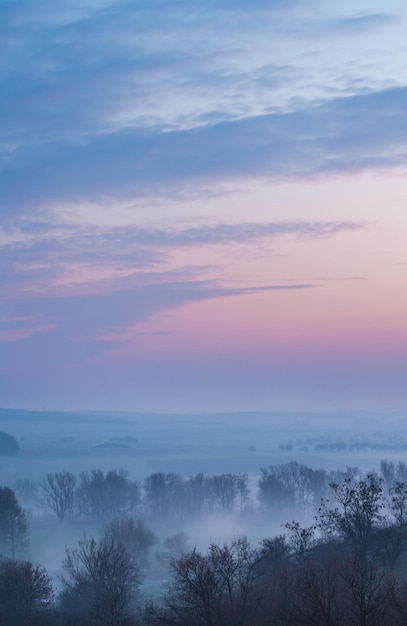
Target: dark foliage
26 595
13 524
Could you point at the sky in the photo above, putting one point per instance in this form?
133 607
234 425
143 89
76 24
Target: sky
203 205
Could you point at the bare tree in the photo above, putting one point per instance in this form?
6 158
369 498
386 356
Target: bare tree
105 496
224 489
367 593
274 491
355 513
100 583
216 589
242 485
58 493
165 495
315 595
196 494
301 540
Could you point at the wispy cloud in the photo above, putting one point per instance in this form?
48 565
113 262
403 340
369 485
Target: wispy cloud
345 135
85 316
125 123
362 23
68 259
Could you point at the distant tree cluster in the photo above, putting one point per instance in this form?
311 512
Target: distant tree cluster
8 444
383 442
293 487
96 495
288 490
100 496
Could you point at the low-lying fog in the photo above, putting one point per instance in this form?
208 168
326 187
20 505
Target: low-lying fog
183 449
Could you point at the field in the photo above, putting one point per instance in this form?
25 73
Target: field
187 444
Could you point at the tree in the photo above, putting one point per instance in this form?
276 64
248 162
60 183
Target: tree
224 489
196 490
315 595
100 583
242 485
274 492
215 589
134 536
356 512
105 496
393 473
391 538
301 540
26 594
174 547
165 495
367 593
58 493
8 444
13 523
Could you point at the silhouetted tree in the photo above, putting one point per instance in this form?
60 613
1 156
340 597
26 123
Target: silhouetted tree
100 583
388 471
391 537
224 489
58 491
196 492
165 495
105 496
315 597
242 485
216 589
367 593
13 524
393 473
274 493
26 595
300 540
355 513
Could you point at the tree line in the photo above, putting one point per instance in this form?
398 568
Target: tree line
347 567
292 488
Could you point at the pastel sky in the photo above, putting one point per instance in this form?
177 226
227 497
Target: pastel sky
203 204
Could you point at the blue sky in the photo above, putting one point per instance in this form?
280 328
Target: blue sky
205 199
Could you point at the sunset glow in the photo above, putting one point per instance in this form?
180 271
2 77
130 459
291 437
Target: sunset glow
200 222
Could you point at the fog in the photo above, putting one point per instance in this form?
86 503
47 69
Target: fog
188 453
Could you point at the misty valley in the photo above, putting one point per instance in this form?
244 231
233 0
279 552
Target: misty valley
219 519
